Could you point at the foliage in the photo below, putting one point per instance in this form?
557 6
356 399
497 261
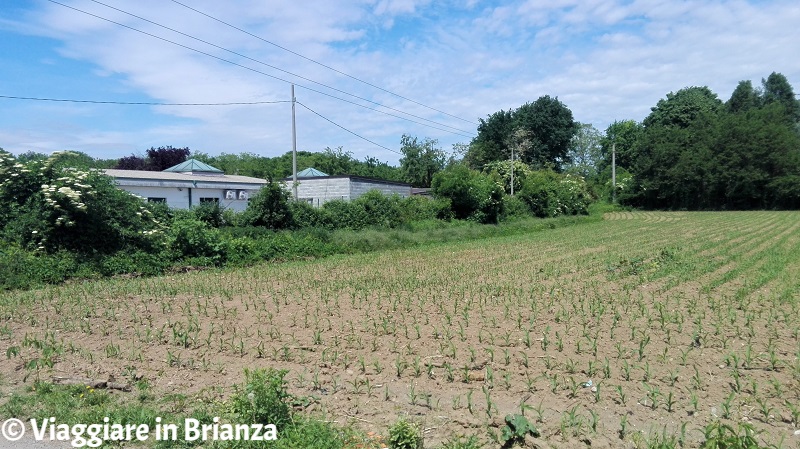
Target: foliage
156 159
515 207
491 143
420 208
585 152
541 133
723 436
211 214
421 160
405 435
550 194
515 430
695 154
503 169
331 161
263 399
681 108
49 207
269 208
623 137
380 209
190 238
472 195
341 214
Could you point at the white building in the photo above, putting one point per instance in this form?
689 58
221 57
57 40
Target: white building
188 184
317 188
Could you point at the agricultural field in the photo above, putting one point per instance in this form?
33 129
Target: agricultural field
679 320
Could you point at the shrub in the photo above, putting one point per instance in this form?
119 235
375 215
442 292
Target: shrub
405 435
549 194
263 399
421 208
210 213
341 214
269 208
305 215
49 208
472 195
515 207
381 210
192 238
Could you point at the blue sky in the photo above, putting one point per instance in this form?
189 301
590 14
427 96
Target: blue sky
606 60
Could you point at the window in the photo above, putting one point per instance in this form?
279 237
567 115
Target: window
209 200
156 200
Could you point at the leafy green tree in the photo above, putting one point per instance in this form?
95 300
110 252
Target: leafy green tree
776 89
156 159
550 194
548 123
681 108
585 153
491 143
623 137
540 131
421 160
743 98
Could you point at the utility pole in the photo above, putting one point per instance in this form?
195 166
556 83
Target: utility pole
614 173
294 149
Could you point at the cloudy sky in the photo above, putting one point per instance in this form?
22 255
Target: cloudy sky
420 67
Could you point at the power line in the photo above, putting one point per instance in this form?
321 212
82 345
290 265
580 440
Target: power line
319 63
146 103
351 132
460 131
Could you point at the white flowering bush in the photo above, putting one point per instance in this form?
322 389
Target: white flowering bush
49 207
503 169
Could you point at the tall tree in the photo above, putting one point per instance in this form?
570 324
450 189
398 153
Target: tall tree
162 158
549 124
543 129
681 108
778 90
585 151
623 137
421 160
491 143
743 98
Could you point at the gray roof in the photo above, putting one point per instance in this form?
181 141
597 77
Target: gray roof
193 166
163 178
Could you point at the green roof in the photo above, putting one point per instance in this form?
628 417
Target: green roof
193 166
310 172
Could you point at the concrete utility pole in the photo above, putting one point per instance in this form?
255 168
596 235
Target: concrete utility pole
294 149
614 173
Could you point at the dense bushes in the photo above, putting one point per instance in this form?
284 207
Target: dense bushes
49 208
59 222
472 195
550 194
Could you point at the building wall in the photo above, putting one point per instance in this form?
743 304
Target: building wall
359 187
178 197
319 191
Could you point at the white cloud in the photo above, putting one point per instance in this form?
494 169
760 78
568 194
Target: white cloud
605 60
